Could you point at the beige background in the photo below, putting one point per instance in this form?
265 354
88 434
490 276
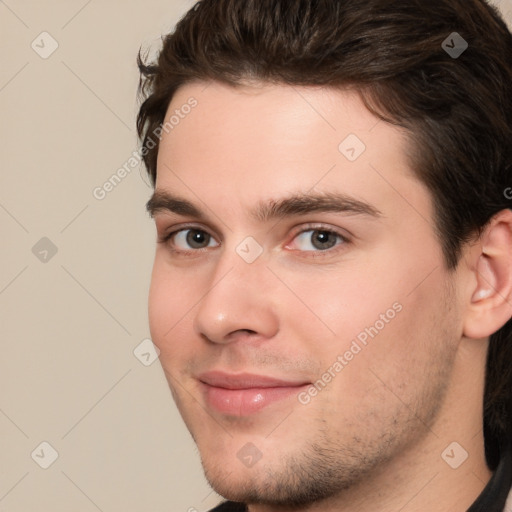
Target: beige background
70 323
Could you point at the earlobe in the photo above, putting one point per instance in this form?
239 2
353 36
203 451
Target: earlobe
490 305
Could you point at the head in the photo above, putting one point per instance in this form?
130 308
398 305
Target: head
272 90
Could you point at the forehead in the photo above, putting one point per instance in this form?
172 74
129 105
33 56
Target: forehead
260 141
274 115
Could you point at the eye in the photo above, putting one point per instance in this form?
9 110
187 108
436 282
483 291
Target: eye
184 240
192 239
318 240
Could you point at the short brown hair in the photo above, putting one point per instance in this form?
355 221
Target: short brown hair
457 109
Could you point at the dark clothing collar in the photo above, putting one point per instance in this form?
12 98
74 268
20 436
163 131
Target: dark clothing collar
494 495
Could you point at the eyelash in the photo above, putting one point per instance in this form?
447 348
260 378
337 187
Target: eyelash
165 239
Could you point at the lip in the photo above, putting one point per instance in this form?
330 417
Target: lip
245 393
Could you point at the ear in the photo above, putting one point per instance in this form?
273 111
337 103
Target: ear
490 262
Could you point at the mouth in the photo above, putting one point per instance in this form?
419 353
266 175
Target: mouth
245 394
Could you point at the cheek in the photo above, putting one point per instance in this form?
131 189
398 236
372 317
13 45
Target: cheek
169 301
339 304
377 312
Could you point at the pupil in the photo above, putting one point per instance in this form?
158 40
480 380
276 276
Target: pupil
322 240
196 238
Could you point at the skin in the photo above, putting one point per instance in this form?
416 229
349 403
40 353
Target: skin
373 437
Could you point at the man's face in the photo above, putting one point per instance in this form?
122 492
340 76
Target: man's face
308 346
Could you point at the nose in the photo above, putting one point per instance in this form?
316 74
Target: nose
239 302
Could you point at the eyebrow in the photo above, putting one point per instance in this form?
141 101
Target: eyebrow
295 205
